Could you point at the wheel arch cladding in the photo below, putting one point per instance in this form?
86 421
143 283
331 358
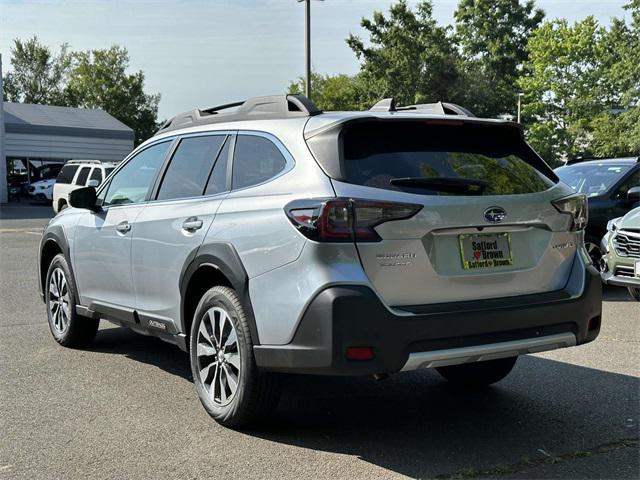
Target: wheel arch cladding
53 243
207 266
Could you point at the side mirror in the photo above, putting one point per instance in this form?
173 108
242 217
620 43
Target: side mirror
633 195
84 197
93 183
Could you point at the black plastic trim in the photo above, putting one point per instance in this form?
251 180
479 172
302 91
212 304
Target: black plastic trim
223 257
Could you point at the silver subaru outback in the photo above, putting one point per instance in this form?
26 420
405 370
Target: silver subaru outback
269 237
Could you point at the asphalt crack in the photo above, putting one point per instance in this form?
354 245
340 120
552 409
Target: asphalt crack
548 459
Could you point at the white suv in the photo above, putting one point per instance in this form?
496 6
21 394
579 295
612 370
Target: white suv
76 174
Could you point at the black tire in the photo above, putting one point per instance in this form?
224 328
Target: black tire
478 374
257 393
68 328
635 293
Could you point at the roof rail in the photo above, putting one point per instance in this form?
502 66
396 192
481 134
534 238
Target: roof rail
271 107
94 162
438 108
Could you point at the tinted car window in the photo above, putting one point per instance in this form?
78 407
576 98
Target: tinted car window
593 178
133 181
107 171
96 174
218 179
492 162
82 176
256 160
67 173
190 166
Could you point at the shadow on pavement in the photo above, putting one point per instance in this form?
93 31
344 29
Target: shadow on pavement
616 294
25 211
415 424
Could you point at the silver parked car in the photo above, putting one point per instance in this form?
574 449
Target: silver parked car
268 237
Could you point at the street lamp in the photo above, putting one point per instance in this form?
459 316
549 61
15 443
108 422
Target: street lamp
520 95
307 47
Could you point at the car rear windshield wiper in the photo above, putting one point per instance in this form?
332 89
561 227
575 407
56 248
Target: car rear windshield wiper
468 186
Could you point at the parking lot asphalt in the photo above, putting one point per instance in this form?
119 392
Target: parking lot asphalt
126 407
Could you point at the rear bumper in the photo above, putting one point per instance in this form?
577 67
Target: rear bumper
435 335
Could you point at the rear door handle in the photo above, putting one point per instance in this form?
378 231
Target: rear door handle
192 224
123 227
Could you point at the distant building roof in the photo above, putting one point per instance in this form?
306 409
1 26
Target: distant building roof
53 120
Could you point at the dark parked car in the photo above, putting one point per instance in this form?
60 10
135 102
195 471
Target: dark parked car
606 183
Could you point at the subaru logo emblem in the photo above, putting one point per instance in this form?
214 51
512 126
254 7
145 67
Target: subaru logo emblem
494 214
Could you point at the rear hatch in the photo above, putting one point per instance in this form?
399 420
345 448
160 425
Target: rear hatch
485 225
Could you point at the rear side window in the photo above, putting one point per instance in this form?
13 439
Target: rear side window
190 166
97 175
454 159
83 175
256 160
67 173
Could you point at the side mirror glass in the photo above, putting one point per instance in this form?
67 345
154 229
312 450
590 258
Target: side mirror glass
84 197
633 195
93 183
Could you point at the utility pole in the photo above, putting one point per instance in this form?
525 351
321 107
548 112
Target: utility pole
3 159
307 47
520 95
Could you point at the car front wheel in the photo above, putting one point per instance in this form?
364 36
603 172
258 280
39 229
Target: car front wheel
67 327
478 374
230 386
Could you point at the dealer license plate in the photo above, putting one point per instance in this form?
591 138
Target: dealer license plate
486 250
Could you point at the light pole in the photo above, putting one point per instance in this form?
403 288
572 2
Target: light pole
520 95
307 47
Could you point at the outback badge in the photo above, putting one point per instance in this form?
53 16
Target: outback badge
494 214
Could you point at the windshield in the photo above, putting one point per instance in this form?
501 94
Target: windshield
592 179
378 155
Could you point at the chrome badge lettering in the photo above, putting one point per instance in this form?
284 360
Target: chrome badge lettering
395 259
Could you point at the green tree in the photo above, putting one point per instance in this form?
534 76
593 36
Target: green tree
333 92
37 74
582 88
407 56
99 79
492 35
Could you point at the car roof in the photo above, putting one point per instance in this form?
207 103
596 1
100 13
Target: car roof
608 161
298 112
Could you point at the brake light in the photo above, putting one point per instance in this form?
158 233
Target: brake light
345 220
576 206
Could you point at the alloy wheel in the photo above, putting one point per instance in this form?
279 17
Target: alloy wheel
218 356
59 301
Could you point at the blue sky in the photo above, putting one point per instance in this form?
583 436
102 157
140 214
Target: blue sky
199 53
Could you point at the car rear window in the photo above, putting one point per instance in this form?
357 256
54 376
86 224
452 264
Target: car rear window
66 174
493 160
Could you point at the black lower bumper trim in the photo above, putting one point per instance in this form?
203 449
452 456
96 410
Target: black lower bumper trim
344 316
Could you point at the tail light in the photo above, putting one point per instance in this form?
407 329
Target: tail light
576 206
345 220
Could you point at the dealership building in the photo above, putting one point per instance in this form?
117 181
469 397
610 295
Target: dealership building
38 139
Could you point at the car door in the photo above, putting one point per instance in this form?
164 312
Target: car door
102 243
173 225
